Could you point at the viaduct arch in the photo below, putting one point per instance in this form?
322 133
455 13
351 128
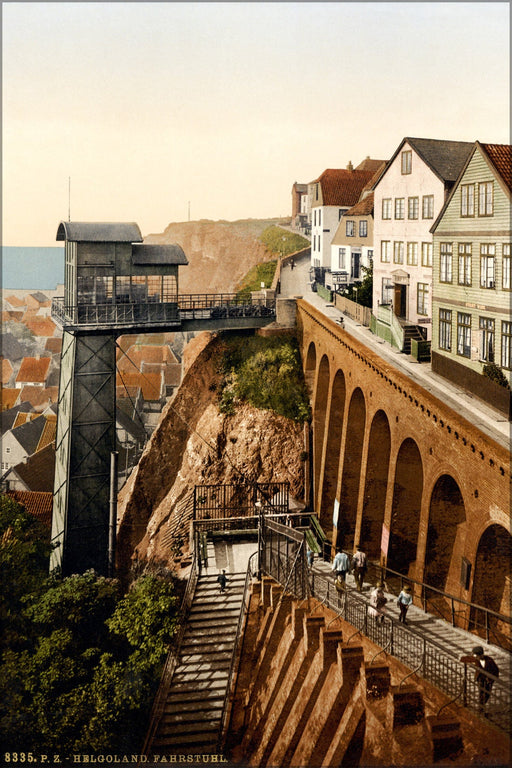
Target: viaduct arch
395 468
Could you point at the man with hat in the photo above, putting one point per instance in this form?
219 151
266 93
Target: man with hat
359 566
404 600
487 671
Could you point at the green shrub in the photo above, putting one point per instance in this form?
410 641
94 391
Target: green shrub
282 242
494 372
260 273
265 372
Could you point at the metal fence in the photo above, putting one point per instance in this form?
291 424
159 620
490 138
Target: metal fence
213 502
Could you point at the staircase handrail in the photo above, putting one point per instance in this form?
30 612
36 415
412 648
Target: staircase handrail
228 699
172 657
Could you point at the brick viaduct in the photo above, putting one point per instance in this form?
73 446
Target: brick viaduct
394 467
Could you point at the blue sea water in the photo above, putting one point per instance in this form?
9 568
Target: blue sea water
32 268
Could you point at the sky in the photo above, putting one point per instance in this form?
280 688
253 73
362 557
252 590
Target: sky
157 112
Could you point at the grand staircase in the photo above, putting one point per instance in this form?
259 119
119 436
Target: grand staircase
192 714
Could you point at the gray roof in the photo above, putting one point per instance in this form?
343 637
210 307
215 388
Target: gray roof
8 416
445 158
28 434
153 255
99 232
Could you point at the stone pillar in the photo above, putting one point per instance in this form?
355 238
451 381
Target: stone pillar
286 312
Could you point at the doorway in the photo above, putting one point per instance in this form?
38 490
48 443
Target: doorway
400 302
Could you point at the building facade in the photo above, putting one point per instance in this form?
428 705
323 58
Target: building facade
472 313
409 195
352 245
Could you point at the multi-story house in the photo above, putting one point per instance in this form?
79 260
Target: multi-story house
471 307
352 245
409 194
332 194
301 209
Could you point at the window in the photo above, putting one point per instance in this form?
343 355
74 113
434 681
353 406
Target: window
7 450
388 288
363 228
406 161
445 271
445 329
399 207
398 252
314 217
341 258
422 299
506 267
427 207
319 217
426 254
463 334
386 208
350 228
464 263
467 200
412 254
506 344
385 251
487 254
370 256
485 199
486 326
413 207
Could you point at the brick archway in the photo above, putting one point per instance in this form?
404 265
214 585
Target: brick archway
319 416
351 473
406 508
310 369
329 480
374 499
446 513
491 582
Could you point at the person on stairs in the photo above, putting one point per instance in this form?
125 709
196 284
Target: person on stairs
403 601
222 580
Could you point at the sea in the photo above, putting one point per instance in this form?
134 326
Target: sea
32 268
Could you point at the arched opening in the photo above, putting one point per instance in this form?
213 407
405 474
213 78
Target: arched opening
332 454
319 411
491 583
351 470
374 501
446 513
405 515
310 369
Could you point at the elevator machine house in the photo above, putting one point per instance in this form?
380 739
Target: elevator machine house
114 284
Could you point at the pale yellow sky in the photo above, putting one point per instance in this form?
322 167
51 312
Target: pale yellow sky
150 106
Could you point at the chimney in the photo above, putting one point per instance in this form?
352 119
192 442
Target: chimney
350 167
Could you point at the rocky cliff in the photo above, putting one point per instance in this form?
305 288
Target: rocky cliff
220 253
194 444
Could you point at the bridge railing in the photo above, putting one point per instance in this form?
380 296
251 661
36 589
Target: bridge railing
197 306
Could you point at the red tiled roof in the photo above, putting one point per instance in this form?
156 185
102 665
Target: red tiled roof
342 186
34 369
7 370
22 417
11 314
48 434
37 472
172 375
37 503
39 396
128 391
41 326
149 383
14 301
500 156
9 396
54 345
363 208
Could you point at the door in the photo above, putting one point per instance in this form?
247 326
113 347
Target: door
400 302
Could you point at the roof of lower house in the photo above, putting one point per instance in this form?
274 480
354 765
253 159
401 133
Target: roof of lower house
29 434
8 417
99 232
38 471
7 370
9 396
54 344
147 254
34 369
369 164
342 186
41 326
150 384
39 397
37 503
362 208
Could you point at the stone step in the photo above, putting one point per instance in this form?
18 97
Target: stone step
197 697
179 730
199 675
198 742
209 715
197 688
192 708
210 656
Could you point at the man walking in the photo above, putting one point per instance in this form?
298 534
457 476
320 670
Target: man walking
340 564
222 579
359 567
487 671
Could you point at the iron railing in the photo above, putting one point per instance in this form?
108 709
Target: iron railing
172 659
235 656
493 627
185 307
425 657
212 502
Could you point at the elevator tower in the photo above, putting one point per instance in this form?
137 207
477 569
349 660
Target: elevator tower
114 284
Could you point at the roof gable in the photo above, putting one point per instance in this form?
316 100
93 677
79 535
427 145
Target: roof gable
445 158
342 187
500 156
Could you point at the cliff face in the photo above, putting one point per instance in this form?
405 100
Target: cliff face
196 444
220 253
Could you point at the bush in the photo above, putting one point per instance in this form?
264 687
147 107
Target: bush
265 372
282 242
260 273
494 372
